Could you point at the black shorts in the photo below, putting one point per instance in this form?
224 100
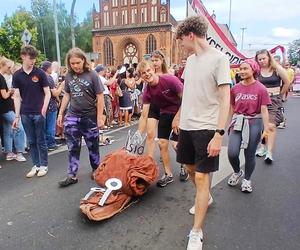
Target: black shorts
165 126
154 111
192 150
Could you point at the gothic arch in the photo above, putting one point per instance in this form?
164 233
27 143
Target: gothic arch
151 44
108 52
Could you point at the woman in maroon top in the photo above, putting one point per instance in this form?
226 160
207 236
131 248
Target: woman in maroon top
249 100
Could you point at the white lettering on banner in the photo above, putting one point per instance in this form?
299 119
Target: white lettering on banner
241 96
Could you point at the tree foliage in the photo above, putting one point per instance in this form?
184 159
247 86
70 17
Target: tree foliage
294 52
40 22
11 32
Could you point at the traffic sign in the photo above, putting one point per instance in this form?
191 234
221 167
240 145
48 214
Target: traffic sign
26 37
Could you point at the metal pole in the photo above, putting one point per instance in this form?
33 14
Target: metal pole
229 21
243 30
43 38
56 34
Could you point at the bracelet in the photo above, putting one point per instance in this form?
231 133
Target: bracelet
17 117
59 115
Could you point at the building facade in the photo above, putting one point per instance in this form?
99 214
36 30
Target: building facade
126 31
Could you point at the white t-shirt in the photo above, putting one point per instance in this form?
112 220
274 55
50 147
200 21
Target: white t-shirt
106 90
202 76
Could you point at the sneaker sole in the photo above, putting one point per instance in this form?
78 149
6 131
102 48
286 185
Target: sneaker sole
184 180
246 191
268 161
163 185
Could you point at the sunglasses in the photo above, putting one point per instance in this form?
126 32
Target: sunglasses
157 52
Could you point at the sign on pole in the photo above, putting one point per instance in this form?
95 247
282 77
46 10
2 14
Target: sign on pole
26 37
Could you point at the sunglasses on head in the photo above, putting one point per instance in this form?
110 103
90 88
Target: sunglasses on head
157 52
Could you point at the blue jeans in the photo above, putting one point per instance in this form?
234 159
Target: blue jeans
11 136
34 126
50 128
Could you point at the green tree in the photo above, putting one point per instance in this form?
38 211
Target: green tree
83 33
294 52
43 16
11 31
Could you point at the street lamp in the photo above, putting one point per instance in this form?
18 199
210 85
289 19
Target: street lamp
56 33
243 30
229 21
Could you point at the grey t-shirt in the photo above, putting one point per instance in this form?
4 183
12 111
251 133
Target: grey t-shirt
83 90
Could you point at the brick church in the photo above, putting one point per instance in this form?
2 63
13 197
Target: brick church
126 31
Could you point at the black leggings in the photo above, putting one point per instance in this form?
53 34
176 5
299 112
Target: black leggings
235 139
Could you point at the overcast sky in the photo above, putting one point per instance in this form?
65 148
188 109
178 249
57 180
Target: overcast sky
268 22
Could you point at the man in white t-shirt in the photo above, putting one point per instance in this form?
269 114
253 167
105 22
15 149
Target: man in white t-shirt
100 69
204 112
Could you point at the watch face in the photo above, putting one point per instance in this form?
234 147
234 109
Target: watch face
220 131
154 2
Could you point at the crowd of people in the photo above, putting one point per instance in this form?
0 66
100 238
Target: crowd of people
192 107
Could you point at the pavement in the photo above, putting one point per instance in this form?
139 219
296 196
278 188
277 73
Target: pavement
35 214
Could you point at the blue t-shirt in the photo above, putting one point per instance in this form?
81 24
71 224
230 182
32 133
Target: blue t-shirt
31 89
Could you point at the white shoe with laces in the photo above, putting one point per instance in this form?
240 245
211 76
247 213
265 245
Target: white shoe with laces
43 171
269 158
32 172
20 157
246 186
195 241
210 201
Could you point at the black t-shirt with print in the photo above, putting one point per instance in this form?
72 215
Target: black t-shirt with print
6 105
83 90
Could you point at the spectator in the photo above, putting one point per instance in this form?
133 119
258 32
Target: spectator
32 95
11 136
52 108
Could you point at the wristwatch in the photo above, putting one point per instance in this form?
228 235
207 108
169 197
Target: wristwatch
220 131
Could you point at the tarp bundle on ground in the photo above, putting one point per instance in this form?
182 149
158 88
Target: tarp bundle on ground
136 173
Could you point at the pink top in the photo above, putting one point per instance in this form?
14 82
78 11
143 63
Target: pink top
247 100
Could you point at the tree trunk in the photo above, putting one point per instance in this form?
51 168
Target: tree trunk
73 23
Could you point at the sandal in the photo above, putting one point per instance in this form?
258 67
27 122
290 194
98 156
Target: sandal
235 177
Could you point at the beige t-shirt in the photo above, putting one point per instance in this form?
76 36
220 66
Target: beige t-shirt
202 76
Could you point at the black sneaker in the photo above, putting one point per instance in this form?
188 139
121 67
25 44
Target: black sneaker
165 180
67 182
183 176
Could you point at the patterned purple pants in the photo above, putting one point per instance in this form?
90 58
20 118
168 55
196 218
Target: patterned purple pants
75 128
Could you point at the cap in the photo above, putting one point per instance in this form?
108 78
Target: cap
99 68
46 65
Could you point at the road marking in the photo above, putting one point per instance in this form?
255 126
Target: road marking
65 147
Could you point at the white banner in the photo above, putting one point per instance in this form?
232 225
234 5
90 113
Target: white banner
215 35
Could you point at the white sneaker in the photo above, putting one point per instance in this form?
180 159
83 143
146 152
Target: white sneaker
195 241
246 186
43 171
20 157
33 172
269 158
210 201
10 156
235 178
262 151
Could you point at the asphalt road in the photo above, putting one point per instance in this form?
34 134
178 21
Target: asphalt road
36 214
